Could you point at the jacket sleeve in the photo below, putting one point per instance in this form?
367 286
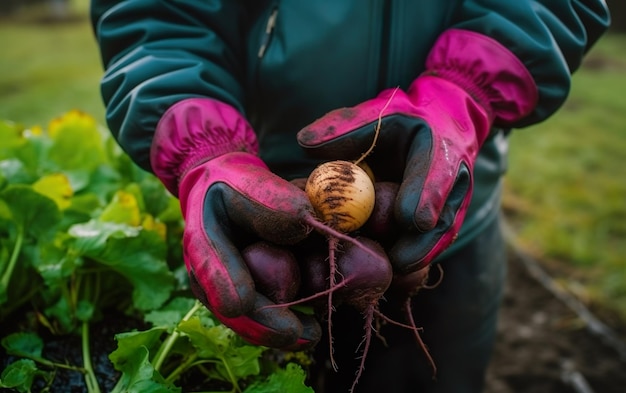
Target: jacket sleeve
550 37
156 53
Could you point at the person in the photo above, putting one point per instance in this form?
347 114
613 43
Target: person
227 101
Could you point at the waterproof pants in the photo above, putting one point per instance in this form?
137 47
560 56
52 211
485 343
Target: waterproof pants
458 318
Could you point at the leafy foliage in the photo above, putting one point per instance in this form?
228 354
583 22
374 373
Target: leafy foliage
83 231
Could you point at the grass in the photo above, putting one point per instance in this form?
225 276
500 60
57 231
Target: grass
47 69
566 187
565 191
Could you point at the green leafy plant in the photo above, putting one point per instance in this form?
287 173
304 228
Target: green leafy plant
83 231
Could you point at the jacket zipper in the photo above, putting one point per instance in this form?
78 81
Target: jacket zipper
269 29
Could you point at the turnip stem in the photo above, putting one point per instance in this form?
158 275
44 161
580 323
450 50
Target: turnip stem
377 129
330 232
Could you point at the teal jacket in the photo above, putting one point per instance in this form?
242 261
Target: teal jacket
284 63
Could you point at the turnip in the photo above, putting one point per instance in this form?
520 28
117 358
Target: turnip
274 269
342 194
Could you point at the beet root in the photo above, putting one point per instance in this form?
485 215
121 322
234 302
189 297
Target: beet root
407 285
274 269
382 224
366 277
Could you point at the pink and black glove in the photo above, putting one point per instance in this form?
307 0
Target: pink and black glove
430 137
204 152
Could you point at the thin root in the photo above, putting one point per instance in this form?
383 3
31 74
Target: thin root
369 317
332 262
420 342
377 130
436 284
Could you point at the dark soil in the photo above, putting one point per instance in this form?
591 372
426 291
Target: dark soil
543 347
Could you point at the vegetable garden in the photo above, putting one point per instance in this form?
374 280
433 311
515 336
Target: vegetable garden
88 239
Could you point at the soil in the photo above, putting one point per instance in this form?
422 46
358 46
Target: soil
543 347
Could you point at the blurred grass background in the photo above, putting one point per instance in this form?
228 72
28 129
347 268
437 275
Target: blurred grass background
566 188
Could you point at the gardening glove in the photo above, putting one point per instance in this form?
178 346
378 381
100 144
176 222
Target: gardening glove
430 136
204 152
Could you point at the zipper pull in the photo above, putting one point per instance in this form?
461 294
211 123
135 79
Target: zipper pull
269 27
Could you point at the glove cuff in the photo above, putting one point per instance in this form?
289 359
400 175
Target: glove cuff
488 71
194 131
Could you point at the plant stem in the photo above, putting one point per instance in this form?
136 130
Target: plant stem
181 368
52 364
164 350
231 376
90 376
17 248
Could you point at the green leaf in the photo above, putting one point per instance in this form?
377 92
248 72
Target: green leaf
132 358
14 171
123 209
211 342
57 187
19 375
85 204
221 343
74 129
156 198
139 376
170 315
290 379
55 264
23 344
137 255
129 343
93 235
141 260
243 361
32 212
171 212
104 181
21 145
12 136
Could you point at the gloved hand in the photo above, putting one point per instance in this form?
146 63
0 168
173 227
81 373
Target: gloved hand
430 136
204 152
